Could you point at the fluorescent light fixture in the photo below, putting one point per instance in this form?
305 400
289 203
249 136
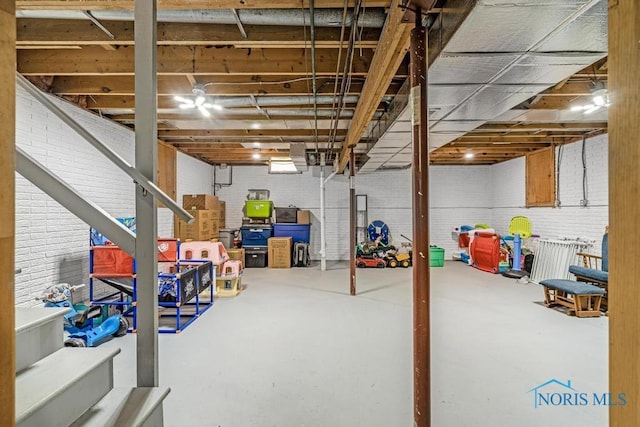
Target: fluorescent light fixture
282 166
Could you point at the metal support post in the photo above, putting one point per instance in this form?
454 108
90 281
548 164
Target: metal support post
352 221
146 152
421 345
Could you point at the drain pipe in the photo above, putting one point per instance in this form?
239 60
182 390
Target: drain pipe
323 227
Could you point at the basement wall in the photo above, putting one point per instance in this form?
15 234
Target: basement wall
459 195
52 245
570 219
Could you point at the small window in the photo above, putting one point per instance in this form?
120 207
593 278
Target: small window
204 254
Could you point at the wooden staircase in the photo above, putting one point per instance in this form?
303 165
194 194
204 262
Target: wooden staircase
68 386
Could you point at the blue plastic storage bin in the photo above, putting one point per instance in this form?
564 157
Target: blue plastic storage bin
256 235
299 232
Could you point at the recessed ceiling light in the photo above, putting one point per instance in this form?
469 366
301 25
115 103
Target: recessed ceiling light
469 155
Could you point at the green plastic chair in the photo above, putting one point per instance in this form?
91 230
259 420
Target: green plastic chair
520 225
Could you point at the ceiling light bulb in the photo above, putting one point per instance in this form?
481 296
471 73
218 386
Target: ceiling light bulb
599 100
256 155
255 125
469 156
204 111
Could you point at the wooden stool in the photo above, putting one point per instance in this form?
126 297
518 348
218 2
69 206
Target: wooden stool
581 299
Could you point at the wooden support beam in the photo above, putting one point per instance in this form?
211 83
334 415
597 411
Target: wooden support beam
185 4
392 47
61 32
7 211
93 60
624 211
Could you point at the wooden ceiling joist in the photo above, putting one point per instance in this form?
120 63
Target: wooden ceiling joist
195 60
245 133
60 32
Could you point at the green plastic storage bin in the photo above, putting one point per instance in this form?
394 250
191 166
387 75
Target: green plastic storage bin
258 208
436 256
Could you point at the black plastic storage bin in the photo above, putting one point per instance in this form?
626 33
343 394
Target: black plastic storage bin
288 215
255 256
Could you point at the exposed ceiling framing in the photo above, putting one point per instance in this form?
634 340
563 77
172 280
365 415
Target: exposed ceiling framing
260 72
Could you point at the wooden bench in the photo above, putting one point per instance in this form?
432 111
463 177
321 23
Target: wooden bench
581 299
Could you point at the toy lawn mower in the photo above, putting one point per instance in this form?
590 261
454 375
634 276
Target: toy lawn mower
80 323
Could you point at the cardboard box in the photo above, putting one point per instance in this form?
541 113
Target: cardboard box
237 254
202 227
222 213
279 252
304 217
200 202
215 228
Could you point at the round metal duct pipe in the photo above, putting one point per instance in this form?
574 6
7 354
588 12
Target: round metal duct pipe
373 18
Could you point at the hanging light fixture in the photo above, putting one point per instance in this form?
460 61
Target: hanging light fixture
199 101
599 99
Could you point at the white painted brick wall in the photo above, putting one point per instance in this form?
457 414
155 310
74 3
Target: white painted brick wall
51 243
459 195
570 219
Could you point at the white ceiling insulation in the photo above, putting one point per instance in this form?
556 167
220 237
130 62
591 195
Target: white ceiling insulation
504 53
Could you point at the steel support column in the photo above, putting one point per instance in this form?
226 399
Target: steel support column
146 152
421 345
352 221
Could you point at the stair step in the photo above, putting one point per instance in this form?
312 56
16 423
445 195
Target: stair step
56 390
126 406
39 332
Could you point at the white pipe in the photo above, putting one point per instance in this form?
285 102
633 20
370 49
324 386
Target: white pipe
323 227
323 245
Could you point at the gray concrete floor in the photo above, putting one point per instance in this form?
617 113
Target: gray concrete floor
294 349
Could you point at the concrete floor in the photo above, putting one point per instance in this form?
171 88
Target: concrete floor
294 349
